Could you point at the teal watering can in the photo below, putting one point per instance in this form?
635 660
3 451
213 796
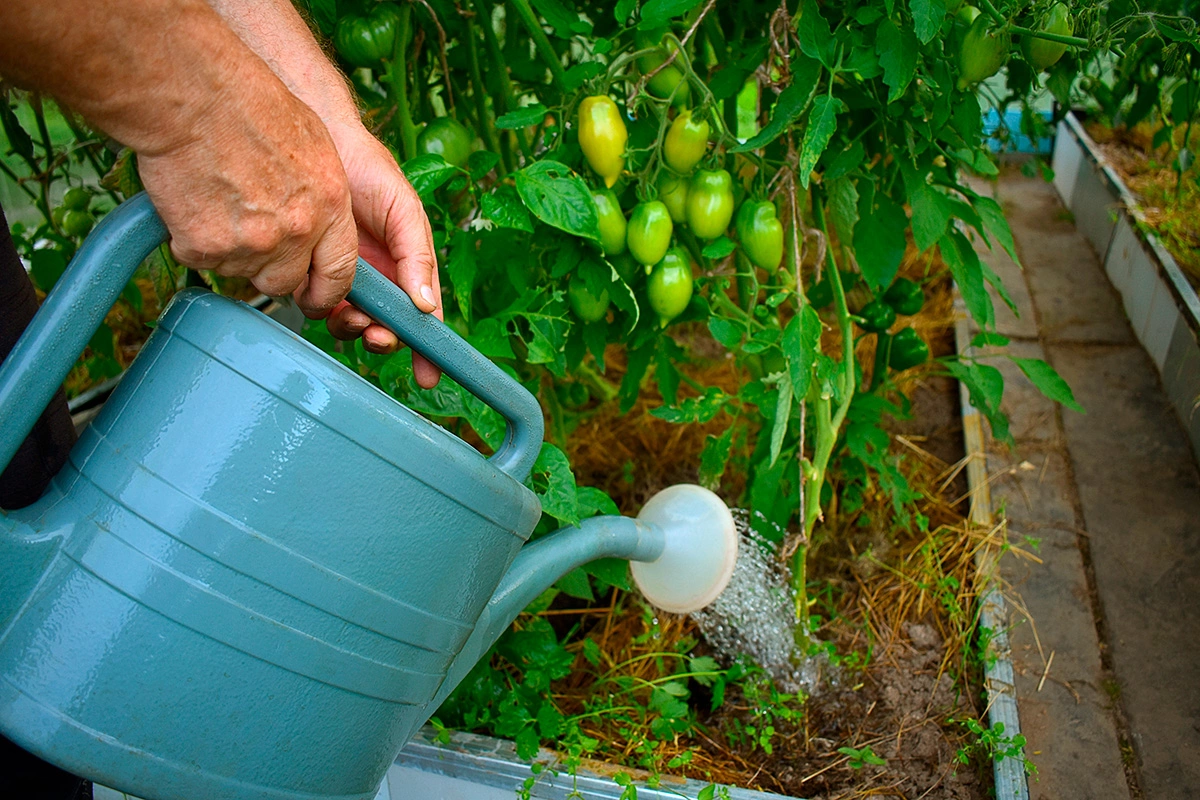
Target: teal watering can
258 575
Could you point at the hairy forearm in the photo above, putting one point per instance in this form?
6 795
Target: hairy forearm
151 73
274 30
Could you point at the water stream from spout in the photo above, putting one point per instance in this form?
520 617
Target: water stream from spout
755 615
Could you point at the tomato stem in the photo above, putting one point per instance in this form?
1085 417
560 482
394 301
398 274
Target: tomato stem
507 101
486 125
398 83
542 43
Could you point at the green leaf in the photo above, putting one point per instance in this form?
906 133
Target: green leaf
726 332
559 198
694 409
46 267
522 117
623 9
18 138
989 340
984 383
822 122
504 207
657 13
995 224
428 172
812 30
879 240
967 270
102 342
637 361
461 269
561 18
783 413
481 162
324 12
719 248
490 337
801 338
714 458
927 18
612 571
554 484
123 178
897 55
991 277
665 373
580 74
1048 382
576 584
788 107
842 206
845 161
931 209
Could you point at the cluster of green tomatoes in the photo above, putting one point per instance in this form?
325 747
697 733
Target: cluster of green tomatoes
73 216
701 199
984 47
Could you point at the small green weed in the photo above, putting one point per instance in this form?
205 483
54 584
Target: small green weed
860 757
993 744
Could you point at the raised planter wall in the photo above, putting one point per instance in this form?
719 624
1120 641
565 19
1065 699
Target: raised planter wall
1162 306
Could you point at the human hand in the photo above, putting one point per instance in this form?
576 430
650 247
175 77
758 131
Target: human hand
393 236
259 192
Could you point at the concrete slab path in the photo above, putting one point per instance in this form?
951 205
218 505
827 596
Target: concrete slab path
1107 640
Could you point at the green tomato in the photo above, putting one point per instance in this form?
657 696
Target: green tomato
602 137
686 142
77 223
365 40
669 82
670 285
710 203
908 350
877 316
587 306
612 222
905 297
761 234
983 52
649 232
77 198
673 191
1042 54
56 216
669 78
447 138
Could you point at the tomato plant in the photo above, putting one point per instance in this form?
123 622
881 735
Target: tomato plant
845 133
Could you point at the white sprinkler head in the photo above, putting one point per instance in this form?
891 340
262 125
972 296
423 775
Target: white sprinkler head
701 549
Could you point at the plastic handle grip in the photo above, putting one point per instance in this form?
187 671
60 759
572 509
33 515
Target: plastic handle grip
387 304
77 305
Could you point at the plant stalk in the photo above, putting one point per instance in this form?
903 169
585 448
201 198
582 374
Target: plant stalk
542 43
507 101
398 83
486 125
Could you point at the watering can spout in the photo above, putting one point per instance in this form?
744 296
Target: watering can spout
683 546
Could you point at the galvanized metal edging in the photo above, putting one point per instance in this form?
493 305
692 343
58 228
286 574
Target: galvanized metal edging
1009 772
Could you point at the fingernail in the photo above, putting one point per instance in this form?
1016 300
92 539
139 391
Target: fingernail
427 293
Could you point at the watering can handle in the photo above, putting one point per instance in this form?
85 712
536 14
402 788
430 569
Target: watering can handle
78 303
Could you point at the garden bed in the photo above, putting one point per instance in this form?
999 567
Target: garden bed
902 673
1160 301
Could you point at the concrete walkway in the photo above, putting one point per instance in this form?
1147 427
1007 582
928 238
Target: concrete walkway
1107 679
